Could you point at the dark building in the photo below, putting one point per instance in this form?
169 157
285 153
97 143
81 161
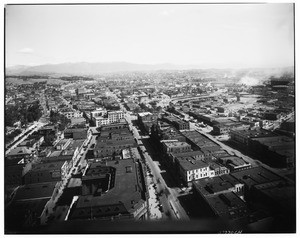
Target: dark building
46 172
27 205
276 151
146 120
76 133
120 192
177 123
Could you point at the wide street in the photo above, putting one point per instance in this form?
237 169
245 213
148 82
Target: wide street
169 195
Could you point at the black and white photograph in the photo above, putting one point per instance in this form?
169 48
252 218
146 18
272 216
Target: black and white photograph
149 118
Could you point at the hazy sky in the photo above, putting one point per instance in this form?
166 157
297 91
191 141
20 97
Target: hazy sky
211 35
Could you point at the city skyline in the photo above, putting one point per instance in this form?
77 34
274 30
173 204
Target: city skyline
206 35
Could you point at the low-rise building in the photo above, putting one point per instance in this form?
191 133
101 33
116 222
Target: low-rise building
112 191
27 206
234 163
176 147
20 153
76 133
46 172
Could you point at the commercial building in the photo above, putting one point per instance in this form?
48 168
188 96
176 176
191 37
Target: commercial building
243 137
218 185
115 116
255 176
76 133
46 172
177 123
20 153
101 119
27 205
191 169
146 120
200 142
234 163
176 147
277 151
223 128
99 112
71 113
115 190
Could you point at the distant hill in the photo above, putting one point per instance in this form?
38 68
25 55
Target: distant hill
16 69
91 68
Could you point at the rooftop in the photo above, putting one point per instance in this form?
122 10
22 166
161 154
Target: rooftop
176 144
189 154
256 175
190 163
75 143
215 185
34 191
47 166
21 151
225 202
126 189
255 133
142 114
237 161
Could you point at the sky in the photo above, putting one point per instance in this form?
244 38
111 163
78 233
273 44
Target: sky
207 35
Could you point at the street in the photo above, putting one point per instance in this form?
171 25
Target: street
168 196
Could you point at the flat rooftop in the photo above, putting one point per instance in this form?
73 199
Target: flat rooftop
189 154
34 191
256 175
47 166
225 202
255 133
189 163
126 189
237 161
208 186
176 144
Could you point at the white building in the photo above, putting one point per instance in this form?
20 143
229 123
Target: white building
99 121
72 114
115 116
99 112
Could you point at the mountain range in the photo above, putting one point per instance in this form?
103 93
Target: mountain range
92 68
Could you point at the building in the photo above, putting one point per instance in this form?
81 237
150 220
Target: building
14 174
99 112
27 205
34 141
46 172
78 121
243 137
255 176
115 116
227 205
276 151
115 190
100 121
200 142
76 133
177 123
72 113
146 120
218 185
111 148
20 153
234 163
176 147
223 128
191 169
